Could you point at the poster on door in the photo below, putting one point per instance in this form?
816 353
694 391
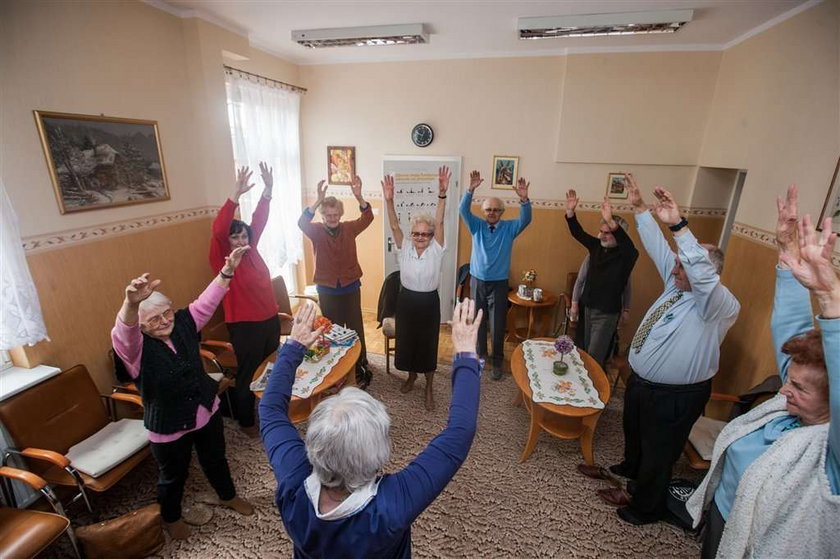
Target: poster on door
416 193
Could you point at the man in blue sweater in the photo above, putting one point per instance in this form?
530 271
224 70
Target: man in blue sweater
330 495
492 242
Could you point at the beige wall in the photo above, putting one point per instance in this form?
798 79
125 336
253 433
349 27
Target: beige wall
776 113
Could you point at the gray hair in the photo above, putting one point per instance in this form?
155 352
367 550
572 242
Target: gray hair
715 257
424 218
621 222
152 305
331 202
347 441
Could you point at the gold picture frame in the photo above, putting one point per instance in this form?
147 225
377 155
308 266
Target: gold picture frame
617 186
98 162
341 165
505 172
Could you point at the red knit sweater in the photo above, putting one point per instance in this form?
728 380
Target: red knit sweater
251 298
336 261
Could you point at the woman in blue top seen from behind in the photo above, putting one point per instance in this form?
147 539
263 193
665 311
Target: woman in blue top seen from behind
330 494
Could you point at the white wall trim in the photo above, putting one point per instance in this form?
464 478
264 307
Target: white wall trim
772 23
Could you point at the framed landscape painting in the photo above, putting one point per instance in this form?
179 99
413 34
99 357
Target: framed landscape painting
101 162
617 185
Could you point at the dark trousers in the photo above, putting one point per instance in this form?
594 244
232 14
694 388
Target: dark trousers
714 532
599 331
346 309
252 343
492 298
657 420
173 461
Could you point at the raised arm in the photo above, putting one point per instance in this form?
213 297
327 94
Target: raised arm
221 225
471 221
126 336
260 216
652 238
305 220
363 221
204 306
283 445
524 220
426 476
444 175
813 269
393 219
581 236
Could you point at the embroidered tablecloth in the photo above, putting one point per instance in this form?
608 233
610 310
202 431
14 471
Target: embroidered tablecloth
309 375
574 388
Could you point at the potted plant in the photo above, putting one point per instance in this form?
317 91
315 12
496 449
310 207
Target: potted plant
563 345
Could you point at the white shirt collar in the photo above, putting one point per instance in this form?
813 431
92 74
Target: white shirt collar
354 503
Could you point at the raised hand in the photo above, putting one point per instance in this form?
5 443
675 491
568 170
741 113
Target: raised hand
786 221
356 187
302 331
243 175
666 208
140 289
321 189
812 266
267 174
388 188
443 180
475 180
521 188
634 196
233 259
465 323
572 201
606 212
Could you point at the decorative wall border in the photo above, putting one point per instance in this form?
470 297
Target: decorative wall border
596 206
768 239
50 241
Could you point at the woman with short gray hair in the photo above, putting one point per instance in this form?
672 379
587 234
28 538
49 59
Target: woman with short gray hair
330 494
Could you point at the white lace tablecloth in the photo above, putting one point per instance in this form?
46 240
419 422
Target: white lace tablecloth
575 388
308 376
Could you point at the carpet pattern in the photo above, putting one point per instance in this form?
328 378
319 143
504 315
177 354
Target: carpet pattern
494 507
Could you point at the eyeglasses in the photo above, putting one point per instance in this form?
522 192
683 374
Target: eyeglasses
156 321
419 235
494 210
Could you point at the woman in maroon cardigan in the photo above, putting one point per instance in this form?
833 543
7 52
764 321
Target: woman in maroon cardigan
337 270
250 308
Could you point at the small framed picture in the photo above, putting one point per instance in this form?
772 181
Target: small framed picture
831 207
98 162
505 171
341 164
617 185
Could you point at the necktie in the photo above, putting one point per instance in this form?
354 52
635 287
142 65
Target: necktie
492 228
644 330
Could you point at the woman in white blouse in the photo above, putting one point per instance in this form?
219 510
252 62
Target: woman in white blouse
418 305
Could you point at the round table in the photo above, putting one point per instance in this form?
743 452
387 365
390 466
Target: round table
344 369
564 422
519 334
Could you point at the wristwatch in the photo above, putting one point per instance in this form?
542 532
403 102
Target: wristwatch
677 226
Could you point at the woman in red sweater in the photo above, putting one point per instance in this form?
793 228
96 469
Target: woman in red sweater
250 308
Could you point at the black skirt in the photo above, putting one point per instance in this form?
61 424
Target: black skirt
418 328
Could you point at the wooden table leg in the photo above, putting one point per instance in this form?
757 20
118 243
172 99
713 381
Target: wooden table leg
589 423
517 398
533 432
530 322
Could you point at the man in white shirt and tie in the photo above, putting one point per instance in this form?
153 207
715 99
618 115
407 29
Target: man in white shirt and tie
673 355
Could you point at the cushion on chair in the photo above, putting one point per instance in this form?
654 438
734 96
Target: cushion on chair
388 327
703 435
108 447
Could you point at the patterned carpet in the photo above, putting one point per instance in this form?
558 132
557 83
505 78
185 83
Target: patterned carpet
495 507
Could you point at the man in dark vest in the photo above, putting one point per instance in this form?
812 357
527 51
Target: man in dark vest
159 347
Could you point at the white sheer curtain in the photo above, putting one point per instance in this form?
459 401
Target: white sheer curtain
265 126
21 321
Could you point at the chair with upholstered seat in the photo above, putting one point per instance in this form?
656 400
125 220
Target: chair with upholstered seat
26 533
704 433
63 430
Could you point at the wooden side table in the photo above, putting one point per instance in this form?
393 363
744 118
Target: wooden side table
345 368
532 307
564 422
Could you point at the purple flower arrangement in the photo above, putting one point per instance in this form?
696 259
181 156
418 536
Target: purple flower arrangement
564 346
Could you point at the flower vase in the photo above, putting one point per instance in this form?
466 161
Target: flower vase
560 367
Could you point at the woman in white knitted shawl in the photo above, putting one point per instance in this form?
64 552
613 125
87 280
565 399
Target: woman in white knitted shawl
773 488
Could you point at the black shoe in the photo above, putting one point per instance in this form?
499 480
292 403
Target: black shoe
636 518
363 376
622 470
631 486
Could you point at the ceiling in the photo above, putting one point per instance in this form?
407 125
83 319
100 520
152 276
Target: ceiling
474 29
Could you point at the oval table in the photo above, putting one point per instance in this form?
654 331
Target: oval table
519 334
564 422
344 369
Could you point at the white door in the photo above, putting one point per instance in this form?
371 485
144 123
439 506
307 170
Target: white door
415 192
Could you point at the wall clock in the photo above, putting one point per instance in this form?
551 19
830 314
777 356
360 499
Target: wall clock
422 135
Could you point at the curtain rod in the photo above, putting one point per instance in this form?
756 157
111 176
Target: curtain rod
277 82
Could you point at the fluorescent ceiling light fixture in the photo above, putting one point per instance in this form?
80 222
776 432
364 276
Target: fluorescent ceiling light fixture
369 36
593 25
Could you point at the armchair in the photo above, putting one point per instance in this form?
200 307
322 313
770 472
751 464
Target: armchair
26 533
62 429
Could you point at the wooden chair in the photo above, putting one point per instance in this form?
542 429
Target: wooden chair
704 433
284 304
26 533
218 372
47 420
